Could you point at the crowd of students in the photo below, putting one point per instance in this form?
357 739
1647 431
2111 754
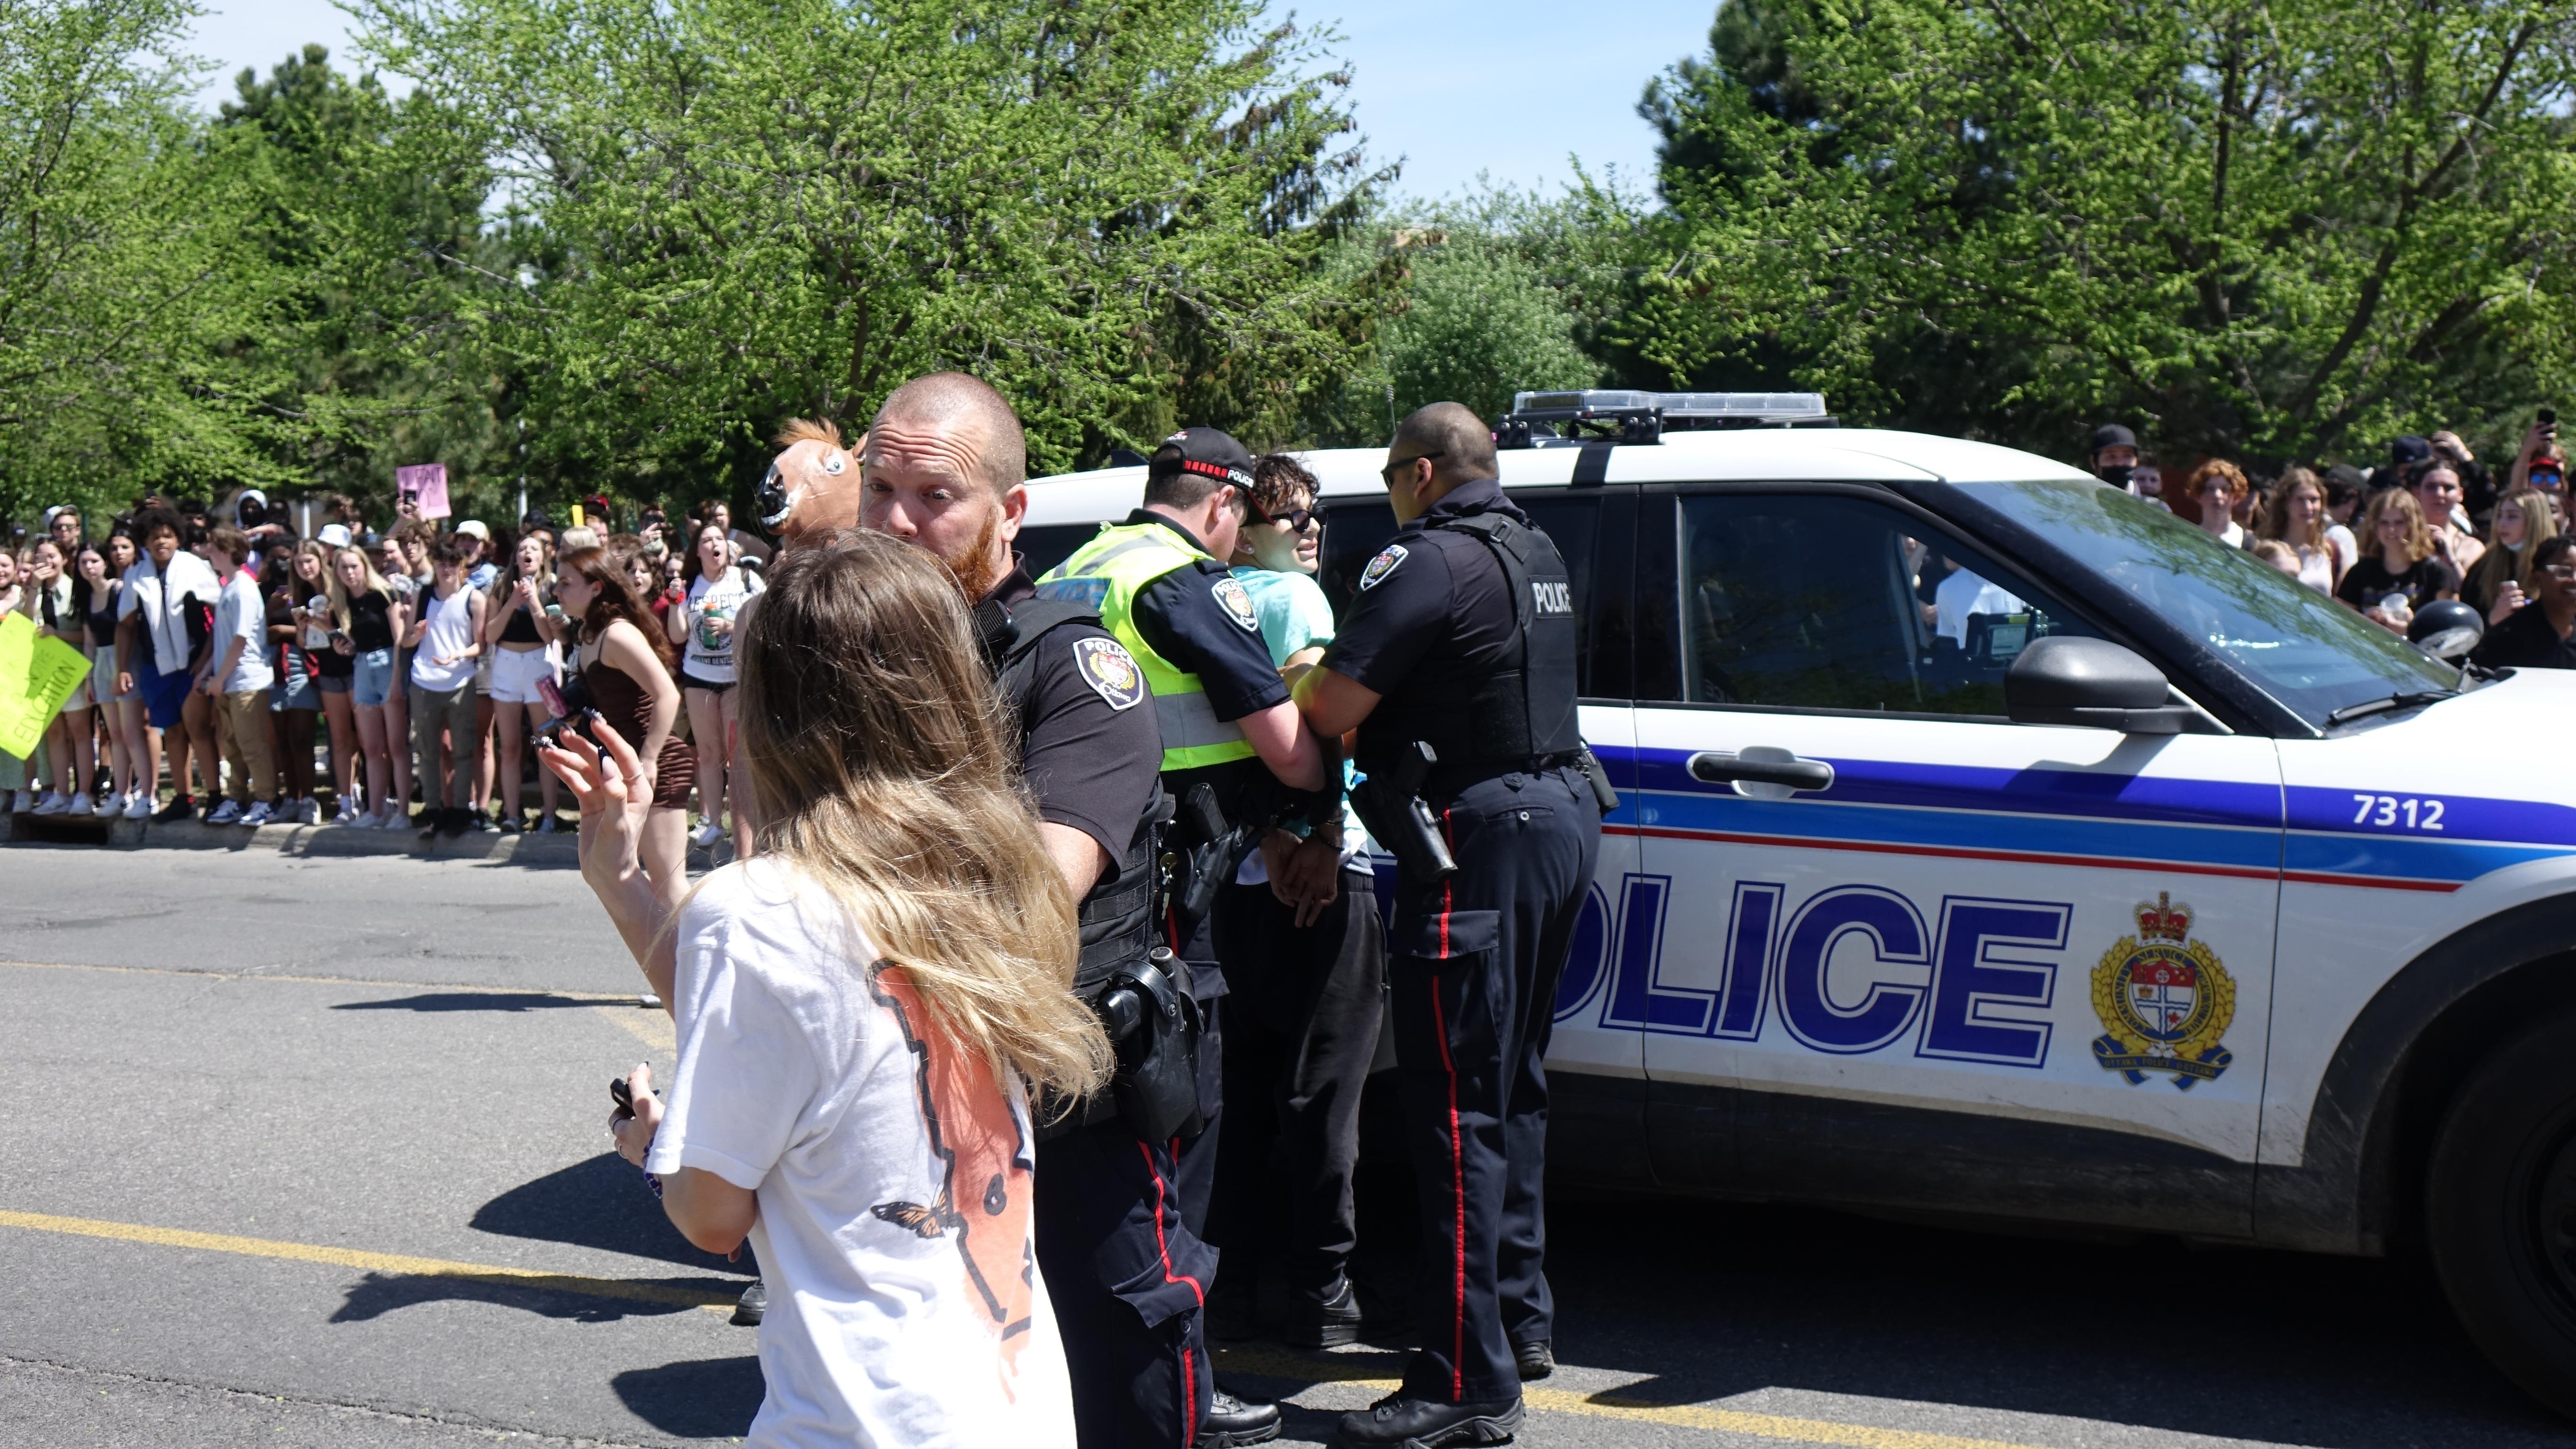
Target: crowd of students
245 675
2431 525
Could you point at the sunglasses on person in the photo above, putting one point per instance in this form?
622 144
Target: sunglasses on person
2559 571
1297 519
1388 472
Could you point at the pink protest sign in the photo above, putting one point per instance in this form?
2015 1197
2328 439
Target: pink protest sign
428 483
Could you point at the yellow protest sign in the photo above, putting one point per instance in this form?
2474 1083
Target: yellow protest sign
36 676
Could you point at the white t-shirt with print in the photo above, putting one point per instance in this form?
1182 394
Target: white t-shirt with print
709 655
893 1174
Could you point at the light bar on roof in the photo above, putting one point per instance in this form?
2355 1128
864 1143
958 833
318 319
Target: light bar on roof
1750 407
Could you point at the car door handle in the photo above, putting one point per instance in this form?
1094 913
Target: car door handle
1761 765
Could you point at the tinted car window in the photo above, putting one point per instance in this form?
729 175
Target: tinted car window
1044 546
2307 651
1820 601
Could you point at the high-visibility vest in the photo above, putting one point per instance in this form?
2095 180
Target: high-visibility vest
1107 573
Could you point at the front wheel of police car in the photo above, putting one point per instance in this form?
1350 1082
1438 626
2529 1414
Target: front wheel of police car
2500 1210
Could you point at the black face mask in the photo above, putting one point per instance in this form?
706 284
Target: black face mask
2115 474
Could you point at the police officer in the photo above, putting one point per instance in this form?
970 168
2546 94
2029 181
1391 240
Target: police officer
1462 638
943 468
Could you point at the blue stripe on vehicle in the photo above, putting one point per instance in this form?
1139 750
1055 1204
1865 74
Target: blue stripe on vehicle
2076 813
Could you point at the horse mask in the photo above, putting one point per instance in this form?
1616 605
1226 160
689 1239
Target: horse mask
812 487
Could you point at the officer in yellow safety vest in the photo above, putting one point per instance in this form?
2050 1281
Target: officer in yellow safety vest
1237 758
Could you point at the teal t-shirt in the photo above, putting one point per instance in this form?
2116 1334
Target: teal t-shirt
1294 613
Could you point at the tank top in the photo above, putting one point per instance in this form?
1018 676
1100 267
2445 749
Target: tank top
709 655
101 620
450 632
629 711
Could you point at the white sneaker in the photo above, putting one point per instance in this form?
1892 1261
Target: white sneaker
138 806
83 805
308 811
257 815
226 812
707 834
23 803
54 803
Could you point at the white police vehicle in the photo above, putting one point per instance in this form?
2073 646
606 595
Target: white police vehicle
2112 878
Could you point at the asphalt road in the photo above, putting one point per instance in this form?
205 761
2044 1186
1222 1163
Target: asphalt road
309 1152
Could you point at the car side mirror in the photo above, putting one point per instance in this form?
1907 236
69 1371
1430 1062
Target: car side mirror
2064 680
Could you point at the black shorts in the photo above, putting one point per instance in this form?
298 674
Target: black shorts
691 681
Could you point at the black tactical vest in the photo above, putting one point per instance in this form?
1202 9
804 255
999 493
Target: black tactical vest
1521 713
1117 917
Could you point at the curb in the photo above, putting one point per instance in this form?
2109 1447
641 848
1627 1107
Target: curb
309 840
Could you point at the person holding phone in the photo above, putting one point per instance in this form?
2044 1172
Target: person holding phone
624 664
2402 572
366 619
866 1013
702 623
521 630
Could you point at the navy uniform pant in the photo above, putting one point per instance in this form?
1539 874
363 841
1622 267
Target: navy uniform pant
1119 1224
1301 1011
1472 986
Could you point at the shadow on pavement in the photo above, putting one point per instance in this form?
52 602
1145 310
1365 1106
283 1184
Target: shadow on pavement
707 1398
470 1001
601 1203
381 1293
1715 1300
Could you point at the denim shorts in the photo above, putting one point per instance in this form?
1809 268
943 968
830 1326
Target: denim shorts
374 678
294 689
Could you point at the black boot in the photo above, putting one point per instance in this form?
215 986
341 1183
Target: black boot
1402 1422
753 1305
1328 1322
1231 1422
1537 1359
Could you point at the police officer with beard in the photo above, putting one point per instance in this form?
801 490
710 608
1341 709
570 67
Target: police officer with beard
943 468
1456 666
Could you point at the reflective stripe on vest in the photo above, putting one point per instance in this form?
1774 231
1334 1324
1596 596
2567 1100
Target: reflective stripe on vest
1107 573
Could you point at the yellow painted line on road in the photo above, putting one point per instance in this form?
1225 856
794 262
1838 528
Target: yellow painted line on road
601 997
651 1026
714 1300
1365 1370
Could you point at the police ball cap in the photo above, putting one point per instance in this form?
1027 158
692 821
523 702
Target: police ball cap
1204 451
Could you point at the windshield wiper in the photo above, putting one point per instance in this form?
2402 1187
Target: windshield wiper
2406 700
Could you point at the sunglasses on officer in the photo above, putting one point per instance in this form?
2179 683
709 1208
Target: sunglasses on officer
1388 472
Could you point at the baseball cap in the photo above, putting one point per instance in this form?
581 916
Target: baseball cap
2112 435
473 528
2409 450
334 534
1205 451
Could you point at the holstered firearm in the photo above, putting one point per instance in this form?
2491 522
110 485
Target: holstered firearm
1603 794
1390 804
1153 1024
1214 851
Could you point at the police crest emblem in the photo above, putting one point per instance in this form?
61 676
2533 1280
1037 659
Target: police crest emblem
1111 671
1238 604
1380 566
2164 1001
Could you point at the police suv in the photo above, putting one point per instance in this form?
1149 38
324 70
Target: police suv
1993 843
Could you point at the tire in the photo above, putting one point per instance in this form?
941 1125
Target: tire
2500 1210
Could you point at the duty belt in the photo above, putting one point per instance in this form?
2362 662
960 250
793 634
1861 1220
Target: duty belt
1447 782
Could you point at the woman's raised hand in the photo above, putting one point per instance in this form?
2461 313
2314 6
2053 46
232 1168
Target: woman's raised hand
614 794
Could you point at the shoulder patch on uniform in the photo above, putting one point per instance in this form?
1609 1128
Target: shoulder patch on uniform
1110 670
1237 601
1382 565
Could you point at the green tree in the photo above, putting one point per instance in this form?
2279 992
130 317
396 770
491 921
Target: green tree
745 209
128 301
2283 230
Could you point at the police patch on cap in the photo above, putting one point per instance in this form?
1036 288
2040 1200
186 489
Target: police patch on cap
1238 604
1382 565
1109 669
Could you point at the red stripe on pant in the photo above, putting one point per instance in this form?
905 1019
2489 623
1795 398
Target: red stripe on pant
1162 1244
1458 1200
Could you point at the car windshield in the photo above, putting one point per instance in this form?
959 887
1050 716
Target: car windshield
2312 654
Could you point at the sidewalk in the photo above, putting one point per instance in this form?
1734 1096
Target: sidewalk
528 849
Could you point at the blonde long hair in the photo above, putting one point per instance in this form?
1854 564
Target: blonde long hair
2419 539
884 768
339 592
2498 563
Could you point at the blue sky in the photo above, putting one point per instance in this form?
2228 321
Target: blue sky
1514 90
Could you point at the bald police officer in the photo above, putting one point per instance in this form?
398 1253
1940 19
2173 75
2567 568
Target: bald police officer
1462 639
943 468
